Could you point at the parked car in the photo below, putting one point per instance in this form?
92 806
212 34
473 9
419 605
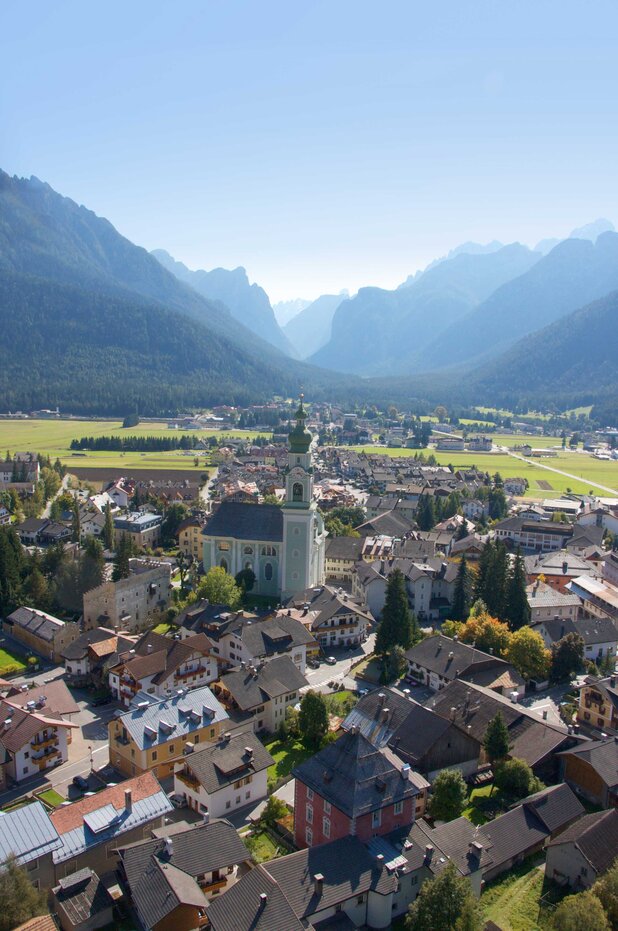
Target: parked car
330 661
178 801
313 664
101 700
80 782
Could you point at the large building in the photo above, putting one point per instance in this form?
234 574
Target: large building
283 546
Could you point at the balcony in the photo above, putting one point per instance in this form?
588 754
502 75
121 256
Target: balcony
40 743
179 676
190 781
43 761
214 886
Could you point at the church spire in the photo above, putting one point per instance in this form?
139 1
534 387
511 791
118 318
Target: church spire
300 438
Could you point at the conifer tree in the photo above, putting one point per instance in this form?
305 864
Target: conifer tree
462 594
425 512
76 525
108 529
516 607
397 625
496 740
124 551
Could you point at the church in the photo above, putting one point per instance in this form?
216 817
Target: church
284 546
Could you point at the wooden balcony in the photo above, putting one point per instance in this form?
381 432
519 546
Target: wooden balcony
214 886
40 743
190 781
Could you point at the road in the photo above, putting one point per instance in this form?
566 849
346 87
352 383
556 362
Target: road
318 679
63 487
576 478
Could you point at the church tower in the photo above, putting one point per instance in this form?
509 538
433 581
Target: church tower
302 564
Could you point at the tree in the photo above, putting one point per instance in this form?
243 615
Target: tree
124 551
517 609
92 565
76 524
462 594
20 900
606 890
425 512
449 794
397 663
36 590
528 654
274 810
488 633
514 777
174 516
108 529
313 718
219 587
496 740
581 912
397 624
567 657
245 579
443 902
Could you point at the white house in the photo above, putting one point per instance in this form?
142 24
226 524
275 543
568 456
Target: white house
224 776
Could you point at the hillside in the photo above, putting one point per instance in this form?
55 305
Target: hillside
310 329
248 303
572 275
382 331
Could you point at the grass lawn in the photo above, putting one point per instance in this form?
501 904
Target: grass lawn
262 847
340 699
482 806
51 797
287 754
10 663
53 437
368 669
513 901
163 628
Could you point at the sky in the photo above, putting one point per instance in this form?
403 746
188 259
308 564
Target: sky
321 145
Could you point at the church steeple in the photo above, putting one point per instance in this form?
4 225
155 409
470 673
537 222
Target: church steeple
300 438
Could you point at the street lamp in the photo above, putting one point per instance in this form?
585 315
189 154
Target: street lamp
91 763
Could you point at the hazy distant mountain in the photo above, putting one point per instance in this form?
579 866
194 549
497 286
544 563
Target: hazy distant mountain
384 332
248 303
309 330
589 231
467 248
574 273
285 310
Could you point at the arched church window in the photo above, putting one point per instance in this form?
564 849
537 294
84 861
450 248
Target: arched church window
268 571
223 564
268 551
297 491
248 551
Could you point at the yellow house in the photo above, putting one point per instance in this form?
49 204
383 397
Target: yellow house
153 734
190 537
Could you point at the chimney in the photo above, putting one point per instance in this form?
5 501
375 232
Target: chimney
385 714
380 860
476 849
318 883
428 852
169 847
150 647
612 682
128 799
249 752
381 698
405 771
263 899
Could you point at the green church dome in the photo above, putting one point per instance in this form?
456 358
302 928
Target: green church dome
300 438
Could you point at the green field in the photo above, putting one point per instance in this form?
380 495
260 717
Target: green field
53 438
10 663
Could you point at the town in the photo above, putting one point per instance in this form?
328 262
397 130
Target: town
308 681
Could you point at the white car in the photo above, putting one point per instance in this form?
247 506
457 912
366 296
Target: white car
330 661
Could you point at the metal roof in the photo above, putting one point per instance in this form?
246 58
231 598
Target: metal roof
102 818
187 712
27 833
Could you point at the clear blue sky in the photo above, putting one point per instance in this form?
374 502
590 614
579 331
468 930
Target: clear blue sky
322 145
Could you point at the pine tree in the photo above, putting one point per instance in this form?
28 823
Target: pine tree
425 512
484 567
397 624
124 551
516 607
496 740
108 529
462 594
76 526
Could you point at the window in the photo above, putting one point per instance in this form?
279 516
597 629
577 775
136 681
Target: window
268 571
309 795
296 531
327 808
295 554
223 564
360 899
309 836
397 808
228 804
153 756
238 799
248 551
297 491
171 749
326 827
376 819
248 794
309 814
224 547
33 865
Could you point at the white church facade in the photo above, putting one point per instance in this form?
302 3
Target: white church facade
283 546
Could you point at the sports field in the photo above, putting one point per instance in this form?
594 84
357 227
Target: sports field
53 437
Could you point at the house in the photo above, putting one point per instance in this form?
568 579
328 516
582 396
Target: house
558 569
143 529
28 834
54 697
599 598
438 660
92 829
88 658
533 536
152 735
22 467
515 486
430 584
341 554
255 903
132 603
119 494
239 637
471 546
332 616
159 666
586 850
387 523
34 739
598 633
480 444
531 738
547 602
40 632
5 516
82 902
351 787
474 510
598 703
263 692
592 771
224 776
41 531
190 537
171 876
451 443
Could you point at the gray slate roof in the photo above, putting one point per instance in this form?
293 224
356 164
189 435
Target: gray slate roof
242 909
596 835
451 658
354 776
592 630
602 756
368 715
83 896
180 714
240 521
227 761
344 548
38 623
27 833
277 677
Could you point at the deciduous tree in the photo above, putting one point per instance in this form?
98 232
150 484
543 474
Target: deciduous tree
528 654
219 587
515 778
313 718
20 900
567 657
442 903
448 795
581 912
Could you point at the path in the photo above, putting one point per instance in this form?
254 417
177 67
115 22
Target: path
63 487
576 478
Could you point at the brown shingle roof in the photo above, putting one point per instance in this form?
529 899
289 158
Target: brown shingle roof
66 819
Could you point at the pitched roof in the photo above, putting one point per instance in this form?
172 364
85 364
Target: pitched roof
79 648
82 896
223 763
325 602
596 836
344 547
355 776
602 756
169 718
40 923
241 521
51 696
27 832
542 595
370 718
38 623
592 630
450 658
392 523
21 726
242 908
277 677
452 845
347 867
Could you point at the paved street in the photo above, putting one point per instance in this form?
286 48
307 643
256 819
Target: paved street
319 678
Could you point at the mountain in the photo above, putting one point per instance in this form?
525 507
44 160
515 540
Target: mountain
248 303
467 248
574 360
590 231
309 330
382 331
285 310
572 275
